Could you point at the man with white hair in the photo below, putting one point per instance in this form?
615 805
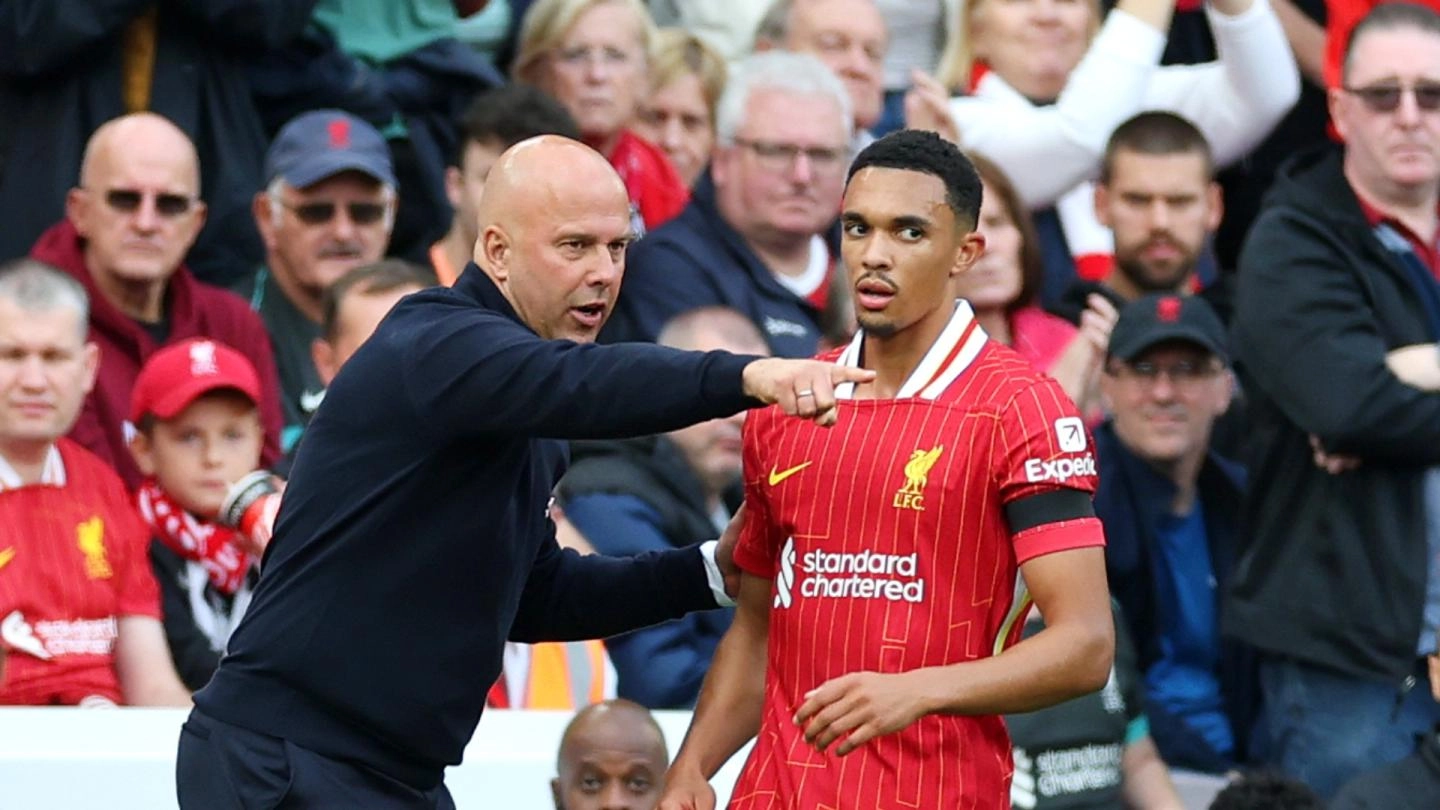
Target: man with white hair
328 208
79 608
759 233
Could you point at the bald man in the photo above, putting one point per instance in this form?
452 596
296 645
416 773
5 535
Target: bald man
414 537
127 228
612 757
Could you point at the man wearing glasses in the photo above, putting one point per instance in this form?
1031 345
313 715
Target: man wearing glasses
328 207
759 234
127 229
1337 318
1171 509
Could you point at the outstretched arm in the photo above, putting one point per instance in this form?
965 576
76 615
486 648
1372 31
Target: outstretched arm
728 712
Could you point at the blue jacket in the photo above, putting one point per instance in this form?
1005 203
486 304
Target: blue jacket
698 260
627 498
1131 500
414 536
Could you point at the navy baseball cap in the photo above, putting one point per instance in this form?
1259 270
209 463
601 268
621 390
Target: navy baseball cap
323 143
1156 319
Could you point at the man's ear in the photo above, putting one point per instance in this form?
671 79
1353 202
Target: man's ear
492 251
972 247
555 793
322 354
453 184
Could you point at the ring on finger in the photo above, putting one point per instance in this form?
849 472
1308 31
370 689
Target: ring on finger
806 393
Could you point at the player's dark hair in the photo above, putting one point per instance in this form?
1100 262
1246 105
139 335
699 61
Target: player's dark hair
1266 791
922 151
510 113
370 279
1156 132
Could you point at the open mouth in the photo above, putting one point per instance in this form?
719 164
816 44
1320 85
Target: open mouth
589 315
871 294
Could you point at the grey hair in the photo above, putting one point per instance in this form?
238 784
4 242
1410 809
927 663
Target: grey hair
774 27
35 286
798 73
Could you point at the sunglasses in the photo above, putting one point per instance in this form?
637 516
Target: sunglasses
319 213
1384 98
128 201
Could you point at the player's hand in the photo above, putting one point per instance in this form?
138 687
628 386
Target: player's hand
686 790
804 388
725 553
858 707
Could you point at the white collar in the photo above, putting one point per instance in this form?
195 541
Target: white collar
51 474
951 353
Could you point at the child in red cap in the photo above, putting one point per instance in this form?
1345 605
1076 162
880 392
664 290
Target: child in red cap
198 431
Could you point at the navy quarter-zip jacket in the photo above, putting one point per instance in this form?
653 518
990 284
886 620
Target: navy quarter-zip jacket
414 535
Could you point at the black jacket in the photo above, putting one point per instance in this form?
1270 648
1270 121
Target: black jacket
60 78
1333 573
1130 501
698 260
414 538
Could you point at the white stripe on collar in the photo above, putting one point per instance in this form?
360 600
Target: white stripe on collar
929 379
51 474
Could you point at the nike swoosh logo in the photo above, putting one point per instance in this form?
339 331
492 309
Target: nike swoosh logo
777 477
6 556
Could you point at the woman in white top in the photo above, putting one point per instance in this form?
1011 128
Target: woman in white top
1048 84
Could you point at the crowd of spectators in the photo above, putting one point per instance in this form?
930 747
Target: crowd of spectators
232 194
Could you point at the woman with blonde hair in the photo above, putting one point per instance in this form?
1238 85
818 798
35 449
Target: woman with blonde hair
1047 83
593 56
678 114
1003 287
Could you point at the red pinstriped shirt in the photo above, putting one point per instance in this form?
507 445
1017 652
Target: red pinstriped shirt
73 560
887 541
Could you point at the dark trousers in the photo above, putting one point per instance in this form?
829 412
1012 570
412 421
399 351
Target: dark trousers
224 767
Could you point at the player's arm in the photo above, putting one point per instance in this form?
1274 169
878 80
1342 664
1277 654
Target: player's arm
1147 779
727 714
1070 657
143 666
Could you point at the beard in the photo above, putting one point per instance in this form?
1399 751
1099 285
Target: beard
1151 279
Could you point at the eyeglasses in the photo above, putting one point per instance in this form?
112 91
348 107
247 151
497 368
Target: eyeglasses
128 201
780 157
320 213
1182 372
1384 98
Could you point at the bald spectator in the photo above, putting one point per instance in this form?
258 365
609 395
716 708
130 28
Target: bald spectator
497 120
79 607
128 226
612 756
328 207
661 492
759 235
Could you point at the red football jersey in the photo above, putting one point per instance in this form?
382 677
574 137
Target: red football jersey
887 541
73 560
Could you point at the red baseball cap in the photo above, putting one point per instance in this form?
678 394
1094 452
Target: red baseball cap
175 376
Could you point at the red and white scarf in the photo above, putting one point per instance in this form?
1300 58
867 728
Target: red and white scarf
210 544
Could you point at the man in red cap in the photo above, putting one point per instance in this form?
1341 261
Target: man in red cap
79 610
197 417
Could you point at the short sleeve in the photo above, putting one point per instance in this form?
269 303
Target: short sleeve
758 550
1046 444
1048 449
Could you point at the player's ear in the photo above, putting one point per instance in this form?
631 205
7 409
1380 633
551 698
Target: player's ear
971 248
